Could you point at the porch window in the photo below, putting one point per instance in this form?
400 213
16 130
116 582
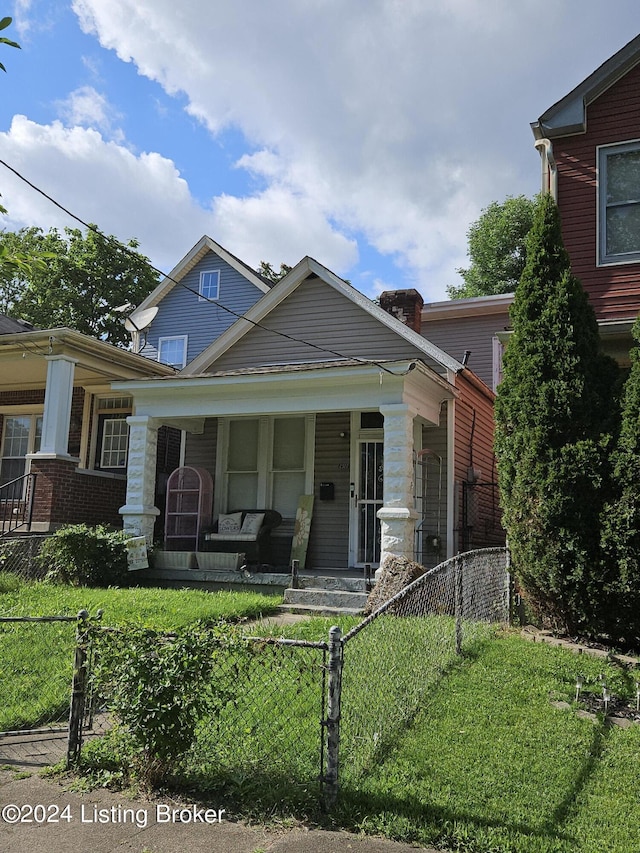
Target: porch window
266 463
112 445
619 203
21 435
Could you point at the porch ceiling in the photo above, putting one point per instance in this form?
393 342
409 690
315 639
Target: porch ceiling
23 362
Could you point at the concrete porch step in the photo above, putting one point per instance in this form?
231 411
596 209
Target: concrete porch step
334 582
317 610
326 599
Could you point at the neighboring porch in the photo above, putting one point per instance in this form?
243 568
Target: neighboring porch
372 443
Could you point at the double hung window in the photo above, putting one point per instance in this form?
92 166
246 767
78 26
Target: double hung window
173 350
21 435
619 203
267 462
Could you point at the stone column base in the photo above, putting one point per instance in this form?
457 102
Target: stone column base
139 521
398 530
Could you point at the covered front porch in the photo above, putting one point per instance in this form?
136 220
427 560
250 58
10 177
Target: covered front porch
353 435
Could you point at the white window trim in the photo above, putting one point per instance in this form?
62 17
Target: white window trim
30 411
167 338
201 297
265 459
96 399
497 352
602 152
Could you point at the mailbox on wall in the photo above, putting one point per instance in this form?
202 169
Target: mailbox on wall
327 491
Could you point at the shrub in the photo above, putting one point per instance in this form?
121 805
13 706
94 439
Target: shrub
158 686
85 556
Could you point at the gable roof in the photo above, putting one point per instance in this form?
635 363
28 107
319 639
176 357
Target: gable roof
204 245
9 326
569 114
288 285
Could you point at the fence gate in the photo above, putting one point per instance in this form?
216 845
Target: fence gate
44 661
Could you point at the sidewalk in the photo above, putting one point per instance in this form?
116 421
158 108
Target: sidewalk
104 822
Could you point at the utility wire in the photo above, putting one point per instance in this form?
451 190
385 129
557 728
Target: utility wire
113 241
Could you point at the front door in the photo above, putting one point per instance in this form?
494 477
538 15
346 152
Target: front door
368 500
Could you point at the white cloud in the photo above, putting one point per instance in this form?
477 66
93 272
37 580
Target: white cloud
144 196
86 107
392 120
353 106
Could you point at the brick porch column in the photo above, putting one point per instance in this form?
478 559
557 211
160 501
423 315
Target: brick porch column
398 515
139 513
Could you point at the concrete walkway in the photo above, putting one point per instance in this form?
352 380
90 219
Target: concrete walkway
39 816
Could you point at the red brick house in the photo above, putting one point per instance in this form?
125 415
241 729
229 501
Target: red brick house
589 142
63 431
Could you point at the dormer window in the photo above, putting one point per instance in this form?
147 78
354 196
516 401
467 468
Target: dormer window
209 285
619 203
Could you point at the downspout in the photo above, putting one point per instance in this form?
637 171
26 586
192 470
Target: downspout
549 167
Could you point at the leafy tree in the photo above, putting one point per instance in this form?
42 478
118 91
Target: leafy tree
497 248
84 277
553 415
4 23
267 271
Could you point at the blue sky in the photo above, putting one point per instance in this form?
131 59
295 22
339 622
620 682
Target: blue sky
368 134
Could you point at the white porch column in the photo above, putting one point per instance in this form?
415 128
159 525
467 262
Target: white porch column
398 515
57 407
139 513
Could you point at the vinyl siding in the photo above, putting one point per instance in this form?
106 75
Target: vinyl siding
329 540
320 315
457 334
200 450
473 448
614 290
434 507
182 313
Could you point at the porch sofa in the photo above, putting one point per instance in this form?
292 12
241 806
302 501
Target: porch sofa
246 531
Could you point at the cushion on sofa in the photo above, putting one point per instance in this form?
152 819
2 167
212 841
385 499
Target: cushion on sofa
252 523
230 523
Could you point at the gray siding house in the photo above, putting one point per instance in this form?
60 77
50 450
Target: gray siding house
318 391
199 299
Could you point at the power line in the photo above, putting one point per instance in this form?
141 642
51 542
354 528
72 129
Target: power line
120 246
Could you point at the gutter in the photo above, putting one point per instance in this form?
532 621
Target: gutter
549 167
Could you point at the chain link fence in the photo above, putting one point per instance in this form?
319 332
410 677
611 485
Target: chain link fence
294 716
36 669
265 725
396 657
18 553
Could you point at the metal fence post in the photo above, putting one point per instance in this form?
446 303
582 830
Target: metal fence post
333 716
295 568
458 603
78 689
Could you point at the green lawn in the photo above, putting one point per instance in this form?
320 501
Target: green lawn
490 765
36 659
487 763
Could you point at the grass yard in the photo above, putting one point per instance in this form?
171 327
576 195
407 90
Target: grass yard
36 659
489 765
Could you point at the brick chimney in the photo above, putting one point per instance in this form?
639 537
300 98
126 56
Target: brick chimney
404 305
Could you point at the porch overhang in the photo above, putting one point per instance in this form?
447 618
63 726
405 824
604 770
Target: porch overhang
302 388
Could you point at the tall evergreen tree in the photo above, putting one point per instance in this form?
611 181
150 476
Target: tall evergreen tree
621 517
553 412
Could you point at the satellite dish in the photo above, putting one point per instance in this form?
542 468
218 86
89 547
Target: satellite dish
142 320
